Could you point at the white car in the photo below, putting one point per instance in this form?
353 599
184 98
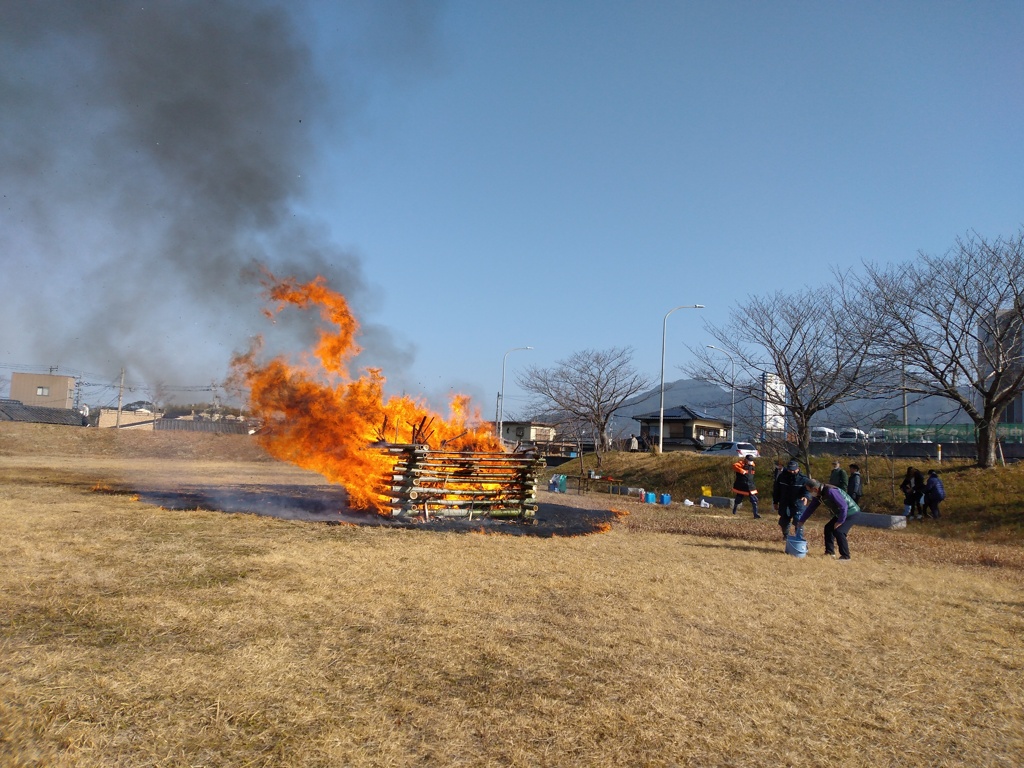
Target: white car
823 435
734 449
852 435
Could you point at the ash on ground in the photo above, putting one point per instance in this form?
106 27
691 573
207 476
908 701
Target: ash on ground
557 514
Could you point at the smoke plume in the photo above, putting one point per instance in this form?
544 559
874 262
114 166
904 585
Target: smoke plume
152 154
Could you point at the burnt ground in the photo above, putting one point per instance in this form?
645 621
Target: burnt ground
557 515
230 473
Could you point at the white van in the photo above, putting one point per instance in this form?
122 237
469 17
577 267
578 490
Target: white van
823 435
852 435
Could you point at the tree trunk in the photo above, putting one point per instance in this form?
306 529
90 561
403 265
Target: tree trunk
988 439
803 435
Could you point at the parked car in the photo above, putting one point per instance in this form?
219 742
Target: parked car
852 435
734 449
823 435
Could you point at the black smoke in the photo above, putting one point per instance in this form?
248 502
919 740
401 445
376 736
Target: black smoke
151 154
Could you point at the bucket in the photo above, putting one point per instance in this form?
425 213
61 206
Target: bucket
796 546
649 498
665 499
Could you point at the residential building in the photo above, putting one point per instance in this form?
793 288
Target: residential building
685 428
43 389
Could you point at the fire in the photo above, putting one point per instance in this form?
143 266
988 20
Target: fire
319 417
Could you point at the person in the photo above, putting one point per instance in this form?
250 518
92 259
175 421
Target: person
744 486
634 444
789 496
856 485
838 478
844 511
913 489
777 470
645 441
934 493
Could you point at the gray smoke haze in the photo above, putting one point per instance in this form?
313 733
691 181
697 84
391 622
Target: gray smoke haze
151 154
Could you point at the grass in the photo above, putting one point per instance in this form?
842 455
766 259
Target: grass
981 504
132 635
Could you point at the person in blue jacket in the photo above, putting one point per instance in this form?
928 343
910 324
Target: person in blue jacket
934 493
843 509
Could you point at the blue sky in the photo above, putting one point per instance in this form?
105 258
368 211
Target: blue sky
561 174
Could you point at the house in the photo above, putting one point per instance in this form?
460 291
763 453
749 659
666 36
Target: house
43 389
140 419
527 432
685 428
15 410
220 427
143 419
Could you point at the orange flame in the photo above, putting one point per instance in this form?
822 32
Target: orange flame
320 418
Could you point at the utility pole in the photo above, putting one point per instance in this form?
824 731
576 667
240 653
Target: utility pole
120 397
903 386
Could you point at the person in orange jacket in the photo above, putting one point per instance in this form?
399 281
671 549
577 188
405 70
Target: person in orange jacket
743 486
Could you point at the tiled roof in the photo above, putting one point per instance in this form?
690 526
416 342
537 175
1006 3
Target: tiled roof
677 412
15 410
187 425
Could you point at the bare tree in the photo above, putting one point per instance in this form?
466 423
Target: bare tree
956 323
809 340
586 388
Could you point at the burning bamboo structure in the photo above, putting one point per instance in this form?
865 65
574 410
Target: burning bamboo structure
425 482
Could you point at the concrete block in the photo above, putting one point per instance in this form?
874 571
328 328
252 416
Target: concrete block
875 520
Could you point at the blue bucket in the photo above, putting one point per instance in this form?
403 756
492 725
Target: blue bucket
796 546
649 498
665 499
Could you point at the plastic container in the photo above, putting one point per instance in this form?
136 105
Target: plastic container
665 499
649 498
796 546
557 484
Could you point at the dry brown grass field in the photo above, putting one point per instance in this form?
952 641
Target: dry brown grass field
134 634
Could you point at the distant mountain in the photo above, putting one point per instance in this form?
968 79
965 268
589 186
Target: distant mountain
698 395
716 402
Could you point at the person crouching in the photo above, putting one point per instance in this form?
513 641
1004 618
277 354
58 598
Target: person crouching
843 508
743 486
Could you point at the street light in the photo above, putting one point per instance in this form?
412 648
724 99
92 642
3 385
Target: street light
501 392
661 409
732 386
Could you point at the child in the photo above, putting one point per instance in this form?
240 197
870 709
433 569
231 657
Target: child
744 484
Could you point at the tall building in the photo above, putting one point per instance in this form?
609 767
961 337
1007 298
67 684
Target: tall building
1002 348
